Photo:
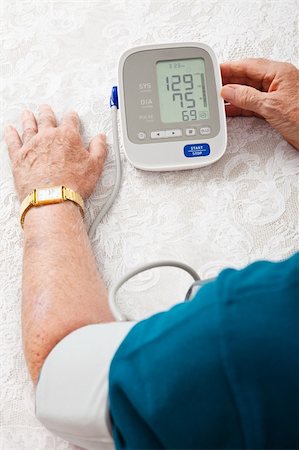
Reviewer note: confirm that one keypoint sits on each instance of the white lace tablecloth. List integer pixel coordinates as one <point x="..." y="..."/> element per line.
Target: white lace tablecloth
<point x="243" y="208"/>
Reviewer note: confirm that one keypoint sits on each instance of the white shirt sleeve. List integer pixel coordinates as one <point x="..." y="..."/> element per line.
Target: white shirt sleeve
<point x="72" y="390"/>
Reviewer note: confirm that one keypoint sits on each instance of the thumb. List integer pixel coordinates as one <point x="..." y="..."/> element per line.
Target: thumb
<point x="244" y="97"/>
<point x="98" y="147"/>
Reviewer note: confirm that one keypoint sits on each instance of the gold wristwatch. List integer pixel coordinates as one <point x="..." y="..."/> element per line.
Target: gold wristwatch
<point x="48" y="196"/>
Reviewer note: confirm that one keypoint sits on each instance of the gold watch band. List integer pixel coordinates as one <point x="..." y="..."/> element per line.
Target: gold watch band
<point x="50" y="196"/>
<point x="69" y="194"/>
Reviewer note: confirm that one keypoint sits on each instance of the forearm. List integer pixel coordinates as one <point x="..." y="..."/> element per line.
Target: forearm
<point x="62" y="289"/>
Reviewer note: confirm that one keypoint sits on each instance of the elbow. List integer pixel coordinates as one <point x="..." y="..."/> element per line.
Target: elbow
<point x="34" y="371"/>
<point x="36" y="351"/>
<point x="34" y="364"/>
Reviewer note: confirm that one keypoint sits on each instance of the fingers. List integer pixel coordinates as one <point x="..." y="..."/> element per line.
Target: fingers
<point x="257" y="84"/>
<point x="244" y="98"/>
<point x="46" y="117"/>
<point x="72" y="120"/>
<point x="234" y="111"/>
<point x="98" y="148"/>
<point x="252" y="72"/>
<point x="29" y="126"/>
<point x="13" y="141"/>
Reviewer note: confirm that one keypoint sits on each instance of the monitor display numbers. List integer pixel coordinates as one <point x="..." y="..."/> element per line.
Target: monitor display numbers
<point x="182" y="90"/>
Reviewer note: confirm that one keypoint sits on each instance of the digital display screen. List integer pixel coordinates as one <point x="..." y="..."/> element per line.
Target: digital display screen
<point x="182" y="90"/>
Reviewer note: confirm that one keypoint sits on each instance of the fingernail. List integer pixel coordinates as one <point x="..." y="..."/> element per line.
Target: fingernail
<point x="103" y="137"/>
<point x="7" y="128"/>
<point x="26" y="113"/>
<point x="228" y="93"/>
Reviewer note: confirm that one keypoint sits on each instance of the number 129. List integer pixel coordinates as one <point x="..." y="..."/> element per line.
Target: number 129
<point x="175" y="80"/>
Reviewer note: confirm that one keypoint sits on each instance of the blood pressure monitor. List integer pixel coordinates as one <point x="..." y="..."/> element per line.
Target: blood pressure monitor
<point x="172" y="118"/>
<point x="172" y="114"/>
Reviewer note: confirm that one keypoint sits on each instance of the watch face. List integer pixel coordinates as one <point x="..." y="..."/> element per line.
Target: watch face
<point x="49" y="195"/>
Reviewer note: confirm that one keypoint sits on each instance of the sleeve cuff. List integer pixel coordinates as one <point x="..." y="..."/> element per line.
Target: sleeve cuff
<point x="72" y="390"/>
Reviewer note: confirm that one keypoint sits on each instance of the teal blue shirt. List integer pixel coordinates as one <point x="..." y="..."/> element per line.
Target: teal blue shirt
<point x="219" y="372"/>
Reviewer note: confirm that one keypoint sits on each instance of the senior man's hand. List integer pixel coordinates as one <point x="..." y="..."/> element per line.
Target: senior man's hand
<point x="49" y="155"/>
<point x="266" y="89"/>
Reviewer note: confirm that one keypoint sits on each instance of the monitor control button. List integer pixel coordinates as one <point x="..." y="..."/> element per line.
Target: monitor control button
<point x="190" y="131"/>
<point x="141" y="135"/>
<point x="158" y="134"/>
<point x="205" y="130"/>
<point x="173" y="133"/>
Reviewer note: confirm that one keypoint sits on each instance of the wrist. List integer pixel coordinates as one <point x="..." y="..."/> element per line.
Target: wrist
<point x="63" y="215"/>
<point x="49" y="196"/>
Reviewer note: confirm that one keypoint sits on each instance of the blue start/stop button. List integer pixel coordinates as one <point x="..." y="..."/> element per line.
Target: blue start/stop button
<point x="193" y="150"/>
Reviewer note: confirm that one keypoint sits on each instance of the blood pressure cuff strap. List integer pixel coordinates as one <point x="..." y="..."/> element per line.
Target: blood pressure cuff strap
<point x="72" y="391"/>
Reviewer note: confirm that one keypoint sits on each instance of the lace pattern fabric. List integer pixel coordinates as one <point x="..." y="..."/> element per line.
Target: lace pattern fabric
<point x="243" y="208"/>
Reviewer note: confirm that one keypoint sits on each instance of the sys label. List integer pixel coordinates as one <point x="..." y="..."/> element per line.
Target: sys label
<point x="193" y="150"/>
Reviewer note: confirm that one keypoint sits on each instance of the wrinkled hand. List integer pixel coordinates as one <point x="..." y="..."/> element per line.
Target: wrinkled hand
<point x="51" y="155"/>
<point x="266" y="89"/>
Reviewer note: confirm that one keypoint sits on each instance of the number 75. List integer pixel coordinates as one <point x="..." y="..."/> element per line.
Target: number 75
<point x="190" y="101"/>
